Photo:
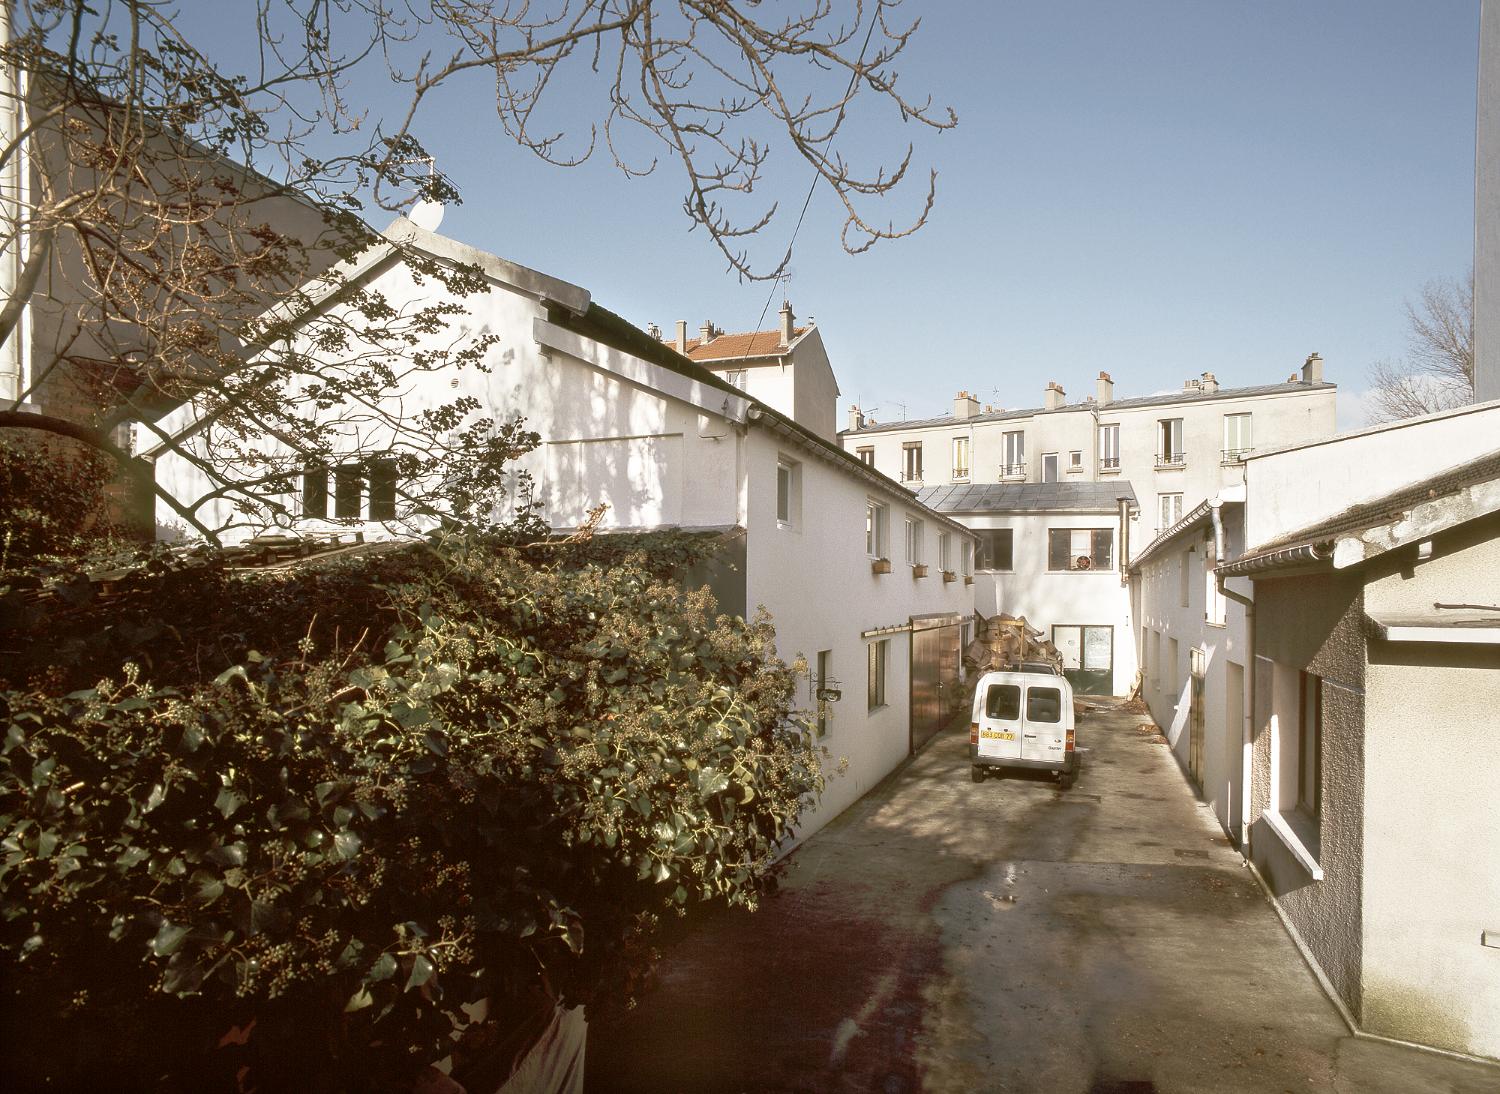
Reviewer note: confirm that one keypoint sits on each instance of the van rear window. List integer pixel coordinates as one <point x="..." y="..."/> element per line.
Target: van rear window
<point x="1003" y="701"/>
<point x="1043" y="705"/>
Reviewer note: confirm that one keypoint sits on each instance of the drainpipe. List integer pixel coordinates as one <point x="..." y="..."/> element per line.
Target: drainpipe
<point x="1124" y="542"/>
<point x="1246" y="741"/>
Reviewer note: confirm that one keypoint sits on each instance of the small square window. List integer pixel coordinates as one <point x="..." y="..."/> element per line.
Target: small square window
<point x="878" y="652"/>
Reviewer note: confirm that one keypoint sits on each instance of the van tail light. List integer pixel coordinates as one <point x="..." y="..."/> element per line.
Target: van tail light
<point x="974" y="734"/>
<point x="1069" y="746"/>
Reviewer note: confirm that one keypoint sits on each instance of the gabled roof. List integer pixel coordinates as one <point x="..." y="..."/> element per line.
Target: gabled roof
<point x="1364" y="531"/>
<point x="1103" y="409"/>
<point x="1028" y="497"/>
<point x="728" y="347"/>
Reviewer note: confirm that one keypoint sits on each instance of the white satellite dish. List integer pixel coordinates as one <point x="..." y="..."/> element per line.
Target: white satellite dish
<point x="426" y="215"/>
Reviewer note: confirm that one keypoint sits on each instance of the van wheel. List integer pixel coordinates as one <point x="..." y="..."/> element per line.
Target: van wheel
<point x="976" y="772"/>
<point x="1065" y="782"/>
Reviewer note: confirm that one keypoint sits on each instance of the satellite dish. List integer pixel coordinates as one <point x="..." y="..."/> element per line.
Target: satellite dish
<point x="426" y="215"/>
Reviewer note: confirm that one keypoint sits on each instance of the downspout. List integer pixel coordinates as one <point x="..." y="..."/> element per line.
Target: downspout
<point x="1124" y="542"/>
<point x="1246" y="739"/>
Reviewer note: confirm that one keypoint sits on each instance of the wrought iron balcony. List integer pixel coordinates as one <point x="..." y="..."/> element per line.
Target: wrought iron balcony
<point x="1171" y="459"/>
<point x="1236" y="455"/>
<point x="1013" y="470"/>
<point x="1109" y="463"/>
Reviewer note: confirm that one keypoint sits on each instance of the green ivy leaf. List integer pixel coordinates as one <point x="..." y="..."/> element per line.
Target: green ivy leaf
<point x="422" y="971"/>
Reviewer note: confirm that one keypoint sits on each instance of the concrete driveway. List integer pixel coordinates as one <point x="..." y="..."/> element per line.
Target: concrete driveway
<point x="947" y="936"/>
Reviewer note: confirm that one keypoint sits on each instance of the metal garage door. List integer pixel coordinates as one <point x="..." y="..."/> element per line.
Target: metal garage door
<point x="935" y="690"/>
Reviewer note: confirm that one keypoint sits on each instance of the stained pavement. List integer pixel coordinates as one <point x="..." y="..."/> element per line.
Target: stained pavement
<point x="943" y="935"/>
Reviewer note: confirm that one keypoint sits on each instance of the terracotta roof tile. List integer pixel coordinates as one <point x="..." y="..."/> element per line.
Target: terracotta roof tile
<point x="761" y="343"/>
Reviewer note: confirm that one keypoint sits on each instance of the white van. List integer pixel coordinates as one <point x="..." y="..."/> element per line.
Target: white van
<point x="1023" y="719"/>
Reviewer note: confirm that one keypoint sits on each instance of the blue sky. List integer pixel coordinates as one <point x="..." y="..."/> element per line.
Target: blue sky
<point x="1154" y="188"/>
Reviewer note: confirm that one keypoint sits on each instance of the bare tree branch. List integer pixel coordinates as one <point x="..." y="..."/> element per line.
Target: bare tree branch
<point x="1438" y="372"/>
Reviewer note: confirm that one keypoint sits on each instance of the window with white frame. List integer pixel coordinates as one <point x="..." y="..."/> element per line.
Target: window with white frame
<point x="875" y="673"/>
<point x="966" y="553"/>
<point x="1014" y="449"/>
<point x="911" y="461"/>
<point x="1184" y="576"/>
<point x="1080" y="548"/>
<point x="913" y="541"/>
<point x="788" y="492"/>
<point x="736" y="377"/>
<point x="1109" y="447"/>
<point x="945" y="551"/>
<point x="1168" y="510"/>
<point x="866" y="455"/>
<point x="960" y="458"/>
<point x="1237" y="443"/>
<point x="1049" y="466"/>
<point x="1169" y="451"/>
<point x="1297" y="755"/>
<point x="1075" y="460"/>
<point x="1215" y="604"/>
<point x="877" y="529"/>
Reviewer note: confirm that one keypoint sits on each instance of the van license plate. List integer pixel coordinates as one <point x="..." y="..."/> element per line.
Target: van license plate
<point x="996" y="735"/>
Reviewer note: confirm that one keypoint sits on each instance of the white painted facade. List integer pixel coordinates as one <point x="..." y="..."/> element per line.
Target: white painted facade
<point x="671" y="447"/>
<point x="1208" y="447"/>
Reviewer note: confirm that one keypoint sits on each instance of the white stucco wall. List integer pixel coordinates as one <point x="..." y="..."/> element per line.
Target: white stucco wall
<point x="1292" y="415"/>
<point x="1052" y="598"/>
<point x="1297" y="487"/>
<point x="1432" y="832"/>
<point x="814" y="577"/>
<point x="1159" y="609"/>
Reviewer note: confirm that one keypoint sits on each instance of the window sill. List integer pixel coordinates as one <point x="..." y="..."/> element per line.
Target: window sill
<point x="1284" y="832"/>
<point x="1109" y="470"/>
<point x="1075" y="470"/>
<point x="995" y="573"/>
<point x="1090" y="570"/>
<point x="961" y="478"/>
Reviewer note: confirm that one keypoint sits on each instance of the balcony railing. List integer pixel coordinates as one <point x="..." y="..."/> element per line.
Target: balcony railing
<point x="1236" y="455"/>
<point x="960" y="474"/>
<point x="1109" y="463"/>
<point x="1013" y="470"/>
<point x="1171" y="459"/>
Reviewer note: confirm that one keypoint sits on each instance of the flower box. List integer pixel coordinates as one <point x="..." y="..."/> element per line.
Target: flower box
<point x="880" y="566"/>
<point x="968" y="579"/>
<point x="949" y="575"/>
<point x="919" y="569"/>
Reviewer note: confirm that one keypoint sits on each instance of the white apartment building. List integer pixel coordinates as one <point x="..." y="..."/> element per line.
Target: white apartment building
<point x="864" y="584"/>
<point x="1175" y="450"/>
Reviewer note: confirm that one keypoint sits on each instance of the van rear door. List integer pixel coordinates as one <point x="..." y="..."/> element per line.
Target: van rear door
<point x="1044" y="725"/>
<point x="1000" y="720"/>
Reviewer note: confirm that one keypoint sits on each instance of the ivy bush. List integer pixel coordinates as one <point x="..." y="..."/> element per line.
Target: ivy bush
<point x="274" y="831"/>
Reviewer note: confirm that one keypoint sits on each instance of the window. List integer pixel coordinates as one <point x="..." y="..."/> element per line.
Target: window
<point x="1109" y="447"/>
<point x="1080" y="548"/>
<point x="876" y="673"/>
<point x="1184" y="575"/>
<point x="1015" y="455"/>
<point x="1237" y="442"/>
<point x="736" y="378"/>
<point x="788" y="492"/>
<point x="866" y="456"/>
<point x="1049" y="466"/>
<point x="821" y="677"/>
<point x="348" y="485"/>
<point x="911" y="461"/>
<point x="945" y="552"/>
<point x="967" y="553"/>
<point x="1075" y="460"/>
<point x="383" y="490"/>
<point x="1168" y="510"/>
<point x="315" y="493"/>
<point x="1215" y="604"/>
<point x="1169" y="444"/>
<point x="1003" y="701"/>
<point x="1310" y="750"/>
<point x="1170" y="666"/>
<point x="996" y="549"/>
<point x="960" y="457"/>
<point x="1044" y="704"/>
<point x="913" y="541"/>
<point x="877" y="529"/>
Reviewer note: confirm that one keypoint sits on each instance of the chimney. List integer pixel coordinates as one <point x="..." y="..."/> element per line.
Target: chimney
<point x="1209" y="383"/>
<point x="786" y="322"/>
<point x="654" y="331"/>
<point x="706" y="331"/>
<point x="1312" y="369"/>
<point x="1053" y="397"/>
<point x="965" y="406"/>
<point x="856" y="419"/>
<point x="681" y="344"/>
<point x="1106" y="390"/>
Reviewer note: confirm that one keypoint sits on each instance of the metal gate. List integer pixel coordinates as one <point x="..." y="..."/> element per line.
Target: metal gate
<point x="936" y="656"/>
<point x="1088" y="657"/>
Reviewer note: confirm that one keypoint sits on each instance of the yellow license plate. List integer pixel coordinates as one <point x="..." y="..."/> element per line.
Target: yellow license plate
<point x="996" y="735"/>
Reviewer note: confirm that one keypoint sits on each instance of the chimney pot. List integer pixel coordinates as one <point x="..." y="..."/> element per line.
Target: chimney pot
<point x="965" y="406"/>
<point x="1209" y="383"/>
<point x="1105" y="391"/>
<point x="787" y="319"/>
<point x="707" y="331"/>
<point x="1054" y="395"/>
<point x="1312" y="369"/>
<point x="856" y="418"/>
<point x="682" y="336"/>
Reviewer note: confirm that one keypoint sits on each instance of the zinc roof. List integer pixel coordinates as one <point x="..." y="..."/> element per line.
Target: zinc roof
<point x="1027" y="497"/>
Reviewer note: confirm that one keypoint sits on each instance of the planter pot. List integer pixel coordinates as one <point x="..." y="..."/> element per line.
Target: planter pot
<point x="969" y="579"/>
<point x="949" y="575"/>
<point x="919" y="570"/>
<point x="880" y="566"/>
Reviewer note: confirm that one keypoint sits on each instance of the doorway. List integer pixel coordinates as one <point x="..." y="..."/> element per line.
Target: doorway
<point x="936" y="657"/>
<point x="1088" y="657"/>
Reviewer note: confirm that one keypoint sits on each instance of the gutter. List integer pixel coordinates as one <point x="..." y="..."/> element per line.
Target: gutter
<point x="1303" y="554"/>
